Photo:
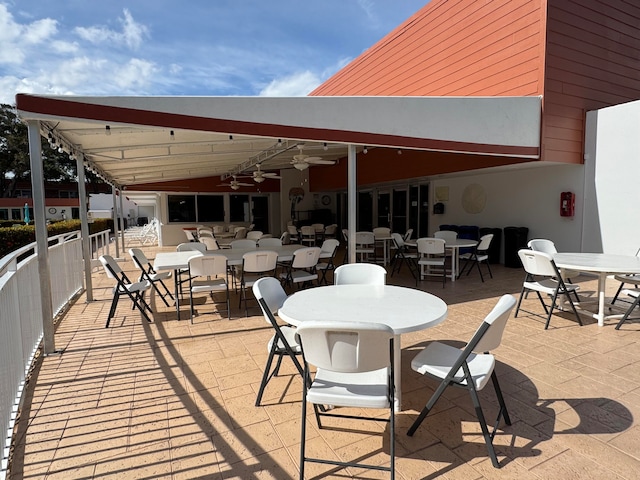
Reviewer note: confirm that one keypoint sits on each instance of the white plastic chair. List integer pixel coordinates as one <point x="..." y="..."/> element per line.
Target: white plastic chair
<point x="270" y="295"/>
<point x="365" y="245"/>
<point x="185" y="247"/>
<point x="243" y="244"/>
<point x="547" y="246"/>
<point x="149" y="274"/>
<point x="480" y="254"/>
<point x="208" y="273"/>
<point x="446" y="235"/>
<point x="124" y="286"/>
<point x="210" y="242"/>
<point x="432" y="254"/>
<point x="302" y="270"/>
<point x="544" y="277"/>
<point x="360" y="274"/>
<point x="308" y="235"/>
<point x="635" y="296"/>
<point x="354" y="368"/>
<point x="403" y="255"/>
<point x="327" y="252"/>
<point x="632" y="278"/>
<point x="269" y="242"/>
<point x="469" y="368"/>
<point x="255" y="265"/>
<point x="254" y="235"/>
<point x="294" y="235"/>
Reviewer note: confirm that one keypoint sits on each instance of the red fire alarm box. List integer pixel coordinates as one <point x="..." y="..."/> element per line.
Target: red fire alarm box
<point x="567" y="204"/>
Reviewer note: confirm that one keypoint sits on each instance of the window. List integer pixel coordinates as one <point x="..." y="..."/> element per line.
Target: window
<point x="239" y="208"/>
<point x="182" y="208"/>
<point x="16" y="214"/>
<point x="210" y="208"/>
<point x="4" y="214"/>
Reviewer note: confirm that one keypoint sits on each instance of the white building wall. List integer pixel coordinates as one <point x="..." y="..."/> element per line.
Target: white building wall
<point x="526" y="196"/>
<point x="612" y="192"/>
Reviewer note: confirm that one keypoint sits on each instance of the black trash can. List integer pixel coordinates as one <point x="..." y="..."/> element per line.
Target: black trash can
<point x="468" y="232"/>
<point x="496" y="243"/>
<point x="515" y="238"/>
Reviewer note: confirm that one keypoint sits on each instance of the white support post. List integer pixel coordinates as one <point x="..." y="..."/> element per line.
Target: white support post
<point x="42" y="245"/>
<point x="115" y="221"/>
<point x="122" y="227"/>
<point x="351" y="202"/>
<point x="84" y="227"/>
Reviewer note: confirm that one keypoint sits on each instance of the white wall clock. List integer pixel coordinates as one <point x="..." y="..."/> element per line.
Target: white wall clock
<point x="474" y="198"/>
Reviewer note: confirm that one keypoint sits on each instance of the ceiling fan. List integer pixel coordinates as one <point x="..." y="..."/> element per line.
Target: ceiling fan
<point x="302" y="161"/>
<point x="260" y="176"/>
<point x="235" y="184"/>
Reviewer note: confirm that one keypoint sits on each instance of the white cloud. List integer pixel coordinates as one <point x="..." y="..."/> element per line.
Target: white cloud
<point x="16" y="38"/>
<point x="295" y="85"/>
<point x="132" y="34"/>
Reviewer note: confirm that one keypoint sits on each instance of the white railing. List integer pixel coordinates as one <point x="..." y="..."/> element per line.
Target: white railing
<point x="21" y="315"/>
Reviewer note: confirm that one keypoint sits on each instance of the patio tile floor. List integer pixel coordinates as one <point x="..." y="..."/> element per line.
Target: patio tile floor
<point x="172" y="400"/>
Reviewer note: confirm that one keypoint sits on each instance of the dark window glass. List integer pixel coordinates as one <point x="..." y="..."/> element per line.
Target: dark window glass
<point x="210" y="208"/>
<point x="239" y="208"/>
<point x="4" y="214"/>
<point x="182" y="208"/>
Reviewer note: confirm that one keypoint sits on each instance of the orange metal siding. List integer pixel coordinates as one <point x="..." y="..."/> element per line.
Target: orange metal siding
<point x="592" y="61"/>
<point x="452" y="48"/>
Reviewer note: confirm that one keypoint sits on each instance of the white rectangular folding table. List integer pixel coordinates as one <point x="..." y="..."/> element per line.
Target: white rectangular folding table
<point x="403" y="309"/>
<point x="603" y="264"/>
<point x="180" y="260"/>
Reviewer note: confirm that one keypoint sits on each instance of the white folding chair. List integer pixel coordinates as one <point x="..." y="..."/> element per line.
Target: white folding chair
<point x="469" y="368"/>
<point x="294" y="235"/>
<point x="547" y="246"/>
<point x="308" y="235"/>
<point x="254" y="235"/>
<point x="543" y="276"/>
<point x="210" y="242"/>
<point x="255" y="265"/>
<point x="185" y="247"/>
<point x="631" y="278"/>
<point x="208" y="273"/>
<point x="302" y="269"/>
<point x="360" y="274"/>
<point x="270" y="295"/>
<point x="124" y="286"/>
<point x="269" y="242"/>
<point x="243" y="244"/>
<point x="327" y="252"/>
<point x="149" y="274"/>
<point x="480" y="254"/>
<point x="446" y="235"/>
<point x="354" y="368"/>
<point x="635" y="299"/>
<point x="431" y="253"/>
<point x="365" y="246"/>
<point x="403" y="255"/>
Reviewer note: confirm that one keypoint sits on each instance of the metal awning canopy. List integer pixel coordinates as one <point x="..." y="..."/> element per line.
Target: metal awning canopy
<point x="137" y="140"/>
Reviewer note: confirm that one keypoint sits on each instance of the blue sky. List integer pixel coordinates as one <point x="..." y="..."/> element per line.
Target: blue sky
<point x="193" y="47"/>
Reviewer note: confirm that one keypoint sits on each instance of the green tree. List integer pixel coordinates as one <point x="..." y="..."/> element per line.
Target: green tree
<point x="14" y="156"/>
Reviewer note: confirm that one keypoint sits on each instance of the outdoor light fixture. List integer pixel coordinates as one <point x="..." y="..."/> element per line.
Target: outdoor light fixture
<point x="172" y="135"/>
<point x="231" y="138"/>
<point x="325" y="146"/>
<point x="107" y="130"/>
<point x="365" y="150"/>
<point x="279" y="142"/>
<point x="399" y="152"/>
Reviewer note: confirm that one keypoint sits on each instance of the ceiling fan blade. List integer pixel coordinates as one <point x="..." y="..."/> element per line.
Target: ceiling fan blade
<point x="319" y="161"/>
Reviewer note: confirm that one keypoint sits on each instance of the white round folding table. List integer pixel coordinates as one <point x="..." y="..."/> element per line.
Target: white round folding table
<point x="603" y="264"/>
<point x="403" y="309"/>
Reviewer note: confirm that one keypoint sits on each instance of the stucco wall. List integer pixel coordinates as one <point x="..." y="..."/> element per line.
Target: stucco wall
<point x="522" y="197"/>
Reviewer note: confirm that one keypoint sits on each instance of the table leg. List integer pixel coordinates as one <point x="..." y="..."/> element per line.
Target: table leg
<point x="602" y="278"/>
<point x="176" y="290"/>
<point x="397" y="349"/>
<point x="454" y="264"/>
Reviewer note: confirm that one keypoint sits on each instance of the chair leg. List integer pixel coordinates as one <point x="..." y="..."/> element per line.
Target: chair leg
<point x="266" y="376"/>
<point x="615" y="297"/>
<point x="503" y="407"/>
<point x="112" y="310"/>
<point x="488" y="438"/>
<point x="427" y="408"/>
<point x="628" y="312"/>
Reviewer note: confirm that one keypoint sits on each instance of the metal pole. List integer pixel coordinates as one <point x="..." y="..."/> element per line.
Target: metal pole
<point x="42" y="246"/>
<point x="122" y="229"/>
<point x="351" y="201"/>
<point x="115" y="221"/>
<point x="84" y="227"/>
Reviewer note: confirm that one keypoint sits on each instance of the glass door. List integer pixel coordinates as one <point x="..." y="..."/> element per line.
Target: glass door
<point x="384" y="209"/>
<point x="399" y="211"/>
<point x="260" y="213"/>
<point x="365" y="212"/>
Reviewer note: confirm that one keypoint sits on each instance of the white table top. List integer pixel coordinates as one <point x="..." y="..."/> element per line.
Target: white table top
<point x="180" y="260"/>
<point x="403" y="309"/>
<point x="598" y="262"/>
